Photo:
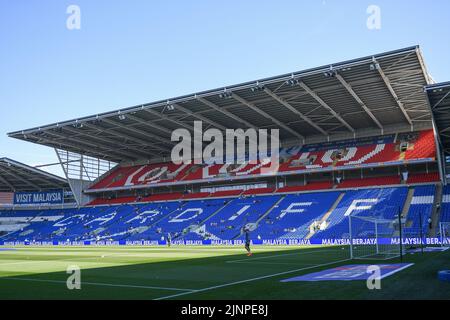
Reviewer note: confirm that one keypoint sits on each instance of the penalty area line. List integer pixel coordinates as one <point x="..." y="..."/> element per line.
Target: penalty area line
<point x="249" y="280"/>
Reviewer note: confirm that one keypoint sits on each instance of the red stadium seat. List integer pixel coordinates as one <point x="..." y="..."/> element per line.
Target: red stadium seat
<point x="379" y="181"/>
<point x="259" y="191"/>
<point x="120" y="200"/>
<point x="163" y="197"/>
<point x="423" y="177"/>
<point x="378" y="151"/>
<point x="226" y="193"/>
<point x="326" y="185"/>
<point x="424" y="147"/>
<point x="198" y="195"/>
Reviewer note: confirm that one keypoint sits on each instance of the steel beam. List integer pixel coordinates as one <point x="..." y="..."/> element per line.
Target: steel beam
<point x="16" y="176"/>
<point x="350" y="90"/>
<point x="107" y="140"/>
<point x="199" y="116"/>
<point x="388" y="84"/>
<point x="141" y="132"/>
<point x="266" y="115"/>
<point x="82" y="148"/>
<point x="293" y="110"/>
<point x="225" y="112"/>
<point x="3" y="179"/>
<point x="316" y="97"/>
<point x="167" y="118"/>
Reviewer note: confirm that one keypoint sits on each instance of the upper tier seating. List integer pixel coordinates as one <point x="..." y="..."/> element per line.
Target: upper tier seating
<point x="328" y="156"/>
<point x="423" y="147"/>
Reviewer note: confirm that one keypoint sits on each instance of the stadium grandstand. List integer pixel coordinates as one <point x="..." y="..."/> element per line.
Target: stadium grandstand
<point x="16" y="177"/>
<point x="439" y="98"/>
<point x="360" y="131"/>
<point x="25" y="187"/>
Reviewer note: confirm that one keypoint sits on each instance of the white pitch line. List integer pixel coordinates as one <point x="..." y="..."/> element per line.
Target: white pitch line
<point x="397" y="270"/>
<point x="101" y="284"/>
<point x="272" y="263"/>
<point x="277" y="255"/>
<point x="249" y="280"/>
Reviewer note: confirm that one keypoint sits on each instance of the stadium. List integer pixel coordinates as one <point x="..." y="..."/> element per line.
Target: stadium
<point x="361" y="178"/>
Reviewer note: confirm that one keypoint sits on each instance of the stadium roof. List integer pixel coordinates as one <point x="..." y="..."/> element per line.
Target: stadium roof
<point x="439" y="96"/>
<point x="373" y="95"/>
<point x="16" y="177"/>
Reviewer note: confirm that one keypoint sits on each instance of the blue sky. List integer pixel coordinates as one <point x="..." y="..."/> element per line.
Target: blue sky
<point x="132" y="52"/>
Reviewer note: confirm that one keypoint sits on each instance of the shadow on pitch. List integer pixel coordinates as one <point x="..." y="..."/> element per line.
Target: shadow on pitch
<point x="151" y="280"/>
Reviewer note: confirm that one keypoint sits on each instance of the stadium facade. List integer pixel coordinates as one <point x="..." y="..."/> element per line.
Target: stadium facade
<point x="366" y="137"/>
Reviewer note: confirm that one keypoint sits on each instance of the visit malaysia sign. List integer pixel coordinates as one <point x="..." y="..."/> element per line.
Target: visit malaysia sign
<point x="46" y="197"/>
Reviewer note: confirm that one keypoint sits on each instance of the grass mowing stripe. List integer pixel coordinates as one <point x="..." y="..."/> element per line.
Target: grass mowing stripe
<point x="278" y="255"/>
<point x="206" y="269"/>
<point x="75" y="259"/>
<point x="101" y="284"/>
<point x="250" y="280"/>
<point x="269" y="263"/>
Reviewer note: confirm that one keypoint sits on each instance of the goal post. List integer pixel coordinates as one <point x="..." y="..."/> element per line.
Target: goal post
<point x="444" y="233"/>
<point x="375" y="238"/>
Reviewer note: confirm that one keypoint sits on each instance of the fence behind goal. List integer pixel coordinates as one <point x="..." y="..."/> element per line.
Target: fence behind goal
<point x="375" y="238"/>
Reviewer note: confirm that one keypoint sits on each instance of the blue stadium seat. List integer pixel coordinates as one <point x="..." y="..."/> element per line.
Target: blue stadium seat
<point x="384" y="203"/>
<point x="273" y="216"/>
<point x="294" y="214"/>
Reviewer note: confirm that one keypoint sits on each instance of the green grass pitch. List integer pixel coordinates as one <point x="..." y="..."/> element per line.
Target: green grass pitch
<point x="208" y="272"/>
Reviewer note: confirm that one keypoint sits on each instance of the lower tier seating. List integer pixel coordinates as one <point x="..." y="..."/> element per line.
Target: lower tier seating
<point x="314" y="215"/>
<point x="445" y="208"/>
<point x="420" y="211"/>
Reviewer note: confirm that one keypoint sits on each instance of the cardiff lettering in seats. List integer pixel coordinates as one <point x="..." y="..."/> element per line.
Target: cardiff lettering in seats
<point x="293" y="208"/>
<point x="68" y="221"/>
<point x="194" y="212"/>
<point x="237" y="214"/>
<point x="144" y="216"/>
<point x="355" y="205"/>
<point x="103" y="219"/>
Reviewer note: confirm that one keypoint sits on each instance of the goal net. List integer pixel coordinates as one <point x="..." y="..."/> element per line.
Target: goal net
<point x="444" y="233"/>
<point x="375" y="238"/>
